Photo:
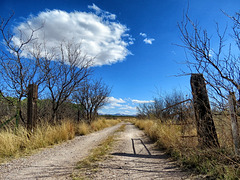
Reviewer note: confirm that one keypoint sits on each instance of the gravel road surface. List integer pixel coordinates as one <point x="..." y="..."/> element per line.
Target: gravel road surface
<point x="135" y="157"/>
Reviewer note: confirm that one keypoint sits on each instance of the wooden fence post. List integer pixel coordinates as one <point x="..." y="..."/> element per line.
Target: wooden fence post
<point x="32" y="106"/>
<point x="234" y="122"/>
<point x="207" y="136"/>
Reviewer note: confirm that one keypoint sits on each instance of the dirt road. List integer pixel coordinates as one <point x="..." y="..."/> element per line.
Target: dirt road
<point x="54" y="163"/>
<point x="133" y="157"/>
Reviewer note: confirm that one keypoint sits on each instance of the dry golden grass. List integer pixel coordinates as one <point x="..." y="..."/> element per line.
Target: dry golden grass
<point x="180" y="141"/>
<point x="174" y="135"/>
<point x="10" y="143"/>
<point x="169" y="135"/>
<point x="83" y="128"/>
<point x="224" y="130"/>
<point x="103" y="123"/>
<point x="18" y="143"/>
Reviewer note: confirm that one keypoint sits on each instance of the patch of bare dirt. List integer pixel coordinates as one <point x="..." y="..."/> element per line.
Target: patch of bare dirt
<point x="54" y="163"/>
<point x="135" y="157"/>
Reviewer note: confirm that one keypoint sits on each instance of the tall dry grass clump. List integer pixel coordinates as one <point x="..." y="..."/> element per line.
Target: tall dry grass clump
<point x="168" y="135"/>
<point x="150" y="128"/>
<point x="18" y="142"/>
<point x="46" y="134"/>
<point x="15" y="143"/>
<point x="10" y="143"/>
<point x="83" y="128"/>
<point x="102" y="123"/>
<point x="224" y="130"/>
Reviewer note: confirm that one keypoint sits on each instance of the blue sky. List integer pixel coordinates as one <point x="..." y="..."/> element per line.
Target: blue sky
<point x="134" y="40"/>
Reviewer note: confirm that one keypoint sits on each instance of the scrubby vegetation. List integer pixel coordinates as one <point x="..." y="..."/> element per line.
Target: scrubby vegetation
<point x="180" y="141"/>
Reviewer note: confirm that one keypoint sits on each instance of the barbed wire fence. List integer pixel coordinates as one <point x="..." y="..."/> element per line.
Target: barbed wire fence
<point x="202" y="126"/>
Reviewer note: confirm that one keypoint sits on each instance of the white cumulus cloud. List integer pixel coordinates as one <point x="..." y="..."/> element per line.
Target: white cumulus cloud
<point x="98" y="33"/>
<point x="143" y="34"/>
<point x="148" y="41"/>
<point x="119" y="105"/>
<point x="114" y="102"/>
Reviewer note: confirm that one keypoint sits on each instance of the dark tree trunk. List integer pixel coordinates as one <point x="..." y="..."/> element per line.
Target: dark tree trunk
<point x="32" y="106"/>
<point x="54" y="116"/>
<point x="207" y="136"/>
<point x="234" y="122"/>
<point x="78" y="115"/>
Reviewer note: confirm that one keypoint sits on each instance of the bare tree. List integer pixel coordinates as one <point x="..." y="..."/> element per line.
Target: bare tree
<point x="165" y="107"/>
<point x="26" y="60"/>
<point x="65" y="72"/>
<point x="221" y="68"/>
<point x="91" y="97"/>
<point x="219" y="64"/>
<point x="146" y="110"/>
<point x="17" y="67"/>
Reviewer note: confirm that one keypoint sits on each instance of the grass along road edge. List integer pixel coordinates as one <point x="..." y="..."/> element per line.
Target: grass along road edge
<point x="15" y="144"/>
<point x="89" y="165"/>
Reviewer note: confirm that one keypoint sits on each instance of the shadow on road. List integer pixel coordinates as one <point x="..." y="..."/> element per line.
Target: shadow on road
<point x="133" y="146"/>
<point x="140" y="155"/>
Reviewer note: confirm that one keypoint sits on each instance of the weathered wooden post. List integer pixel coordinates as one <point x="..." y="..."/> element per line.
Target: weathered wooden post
<point x="234" y="122"/>
<point x="32" y="106"/>
<point x="207" y="136"/>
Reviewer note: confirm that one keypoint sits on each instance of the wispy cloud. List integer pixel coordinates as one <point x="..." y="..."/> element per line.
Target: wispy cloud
<point x="101" y="12"/>
<point x="96" y="8"/>
<point x="127" y="107"/>
<point x="146" y="40"/>
<point x="141" y="101"/>
<point x="99" y="34"/>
